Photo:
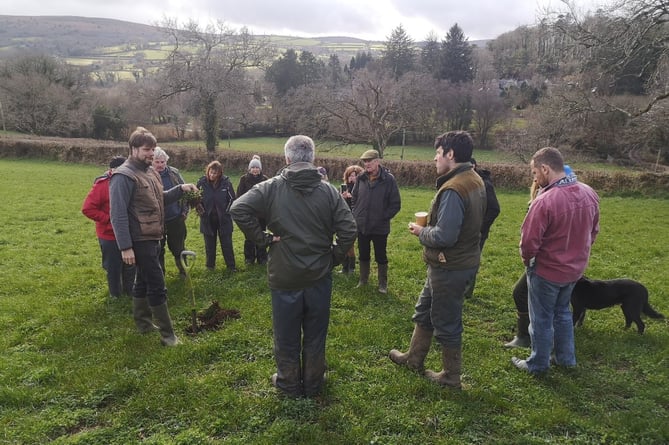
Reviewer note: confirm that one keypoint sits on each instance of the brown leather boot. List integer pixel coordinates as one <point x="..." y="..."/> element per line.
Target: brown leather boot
<point x="414" y="358"/>
<point x="451" y="359"/>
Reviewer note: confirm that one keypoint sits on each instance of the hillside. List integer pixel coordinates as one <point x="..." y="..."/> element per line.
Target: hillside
<point x="66" y="36"/>
<point x="85" y="37"/>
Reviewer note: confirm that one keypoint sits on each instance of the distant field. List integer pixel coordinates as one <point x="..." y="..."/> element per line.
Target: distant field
<point x="395" y="153"/>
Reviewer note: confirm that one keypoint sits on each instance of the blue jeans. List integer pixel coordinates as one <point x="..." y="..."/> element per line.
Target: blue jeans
<point x="551" y="324"/>
<point x="300" y="320"/>
<point x="439" y="306"/>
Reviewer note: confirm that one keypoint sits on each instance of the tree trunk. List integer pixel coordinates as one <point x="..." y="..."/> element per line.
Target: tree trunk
<point x="210" y="124"/>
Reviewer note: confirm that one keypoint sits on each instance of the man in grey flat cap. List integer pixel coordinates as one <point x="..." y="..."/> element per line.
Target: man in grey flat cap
<point x="375" y="201"/>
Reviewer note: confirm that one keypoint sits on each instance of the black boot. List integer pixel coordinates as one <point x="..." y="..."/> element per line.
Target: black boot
<point x="522" y="338"/>
<point x="345" y="269"/>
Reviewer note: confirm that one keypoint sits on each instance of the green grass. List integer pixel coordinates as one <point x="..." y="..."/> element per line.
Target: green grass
<point x="393" y="152"/>
<point x="74" y="371"/>
<point x="334" y="149"/>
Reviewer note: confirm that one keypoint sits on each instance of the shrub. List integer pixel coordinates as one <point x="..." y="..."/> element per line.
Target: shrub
<point x="407" y="173"/>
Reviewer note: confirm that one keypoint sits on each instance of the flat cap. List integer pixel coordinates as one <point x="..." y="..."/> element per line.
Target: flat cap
<point x="369" y="155"/>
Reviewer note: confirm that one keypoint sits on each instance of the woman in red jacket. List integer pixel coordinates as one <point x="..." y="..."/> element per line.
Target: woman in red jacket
<point x="120" y="276"/>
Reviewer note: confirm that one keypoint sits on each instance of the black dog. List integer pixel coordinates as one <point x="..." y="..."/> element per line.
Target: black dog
<point x="599" y="294"/>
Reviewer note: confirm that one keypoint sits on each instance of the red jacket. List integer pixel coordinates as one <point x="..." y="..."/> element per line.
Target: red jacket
<point x="96" y="207"/>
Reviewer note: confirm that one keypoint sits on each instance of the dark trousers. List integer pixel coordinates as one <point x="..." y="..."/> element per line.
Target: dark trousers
<point x="175" y="238"/>
<point x="120" y="276"/>
<point x="150" y="281"/>
<point x="439" y="306"/>
<point x="224" y="233"/>
<point x="300" y="321"/>
<point x="520" y="294"/>
<point x="254" y="252"/>
<point x="380" y="244"/>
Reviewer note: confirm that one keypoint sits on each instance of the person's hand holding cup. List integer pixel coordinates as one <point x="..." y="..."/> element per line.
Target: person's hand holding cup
<point x="421" y="222"/>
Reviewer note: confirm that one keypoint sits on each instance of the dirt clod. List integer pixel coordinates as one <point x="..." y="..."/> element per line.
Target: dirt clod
<point x="212" y="318"/>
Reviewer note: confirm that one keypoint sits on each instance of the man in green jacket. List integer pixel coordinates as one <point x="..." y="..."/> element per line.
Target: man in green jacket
<point x="303" y="214"/>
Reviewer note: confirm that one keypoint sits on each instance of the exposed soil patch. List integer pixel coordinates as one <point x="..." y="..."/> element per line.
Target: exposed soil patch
<point x="212" y="318"/>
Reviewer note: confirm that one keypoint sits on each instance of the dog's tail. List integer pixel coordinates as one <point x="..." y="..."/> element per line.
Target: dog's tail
<point x="652" y="313"/>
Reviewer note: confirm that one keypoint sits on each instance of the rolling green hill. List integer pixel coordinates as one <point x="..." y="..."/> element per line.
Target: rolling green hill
<point x="88" y="41"/>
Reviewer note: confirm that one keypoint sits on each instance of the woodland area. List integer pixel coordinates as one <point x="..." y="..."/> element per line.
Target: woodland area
<point x="595" y="83"/>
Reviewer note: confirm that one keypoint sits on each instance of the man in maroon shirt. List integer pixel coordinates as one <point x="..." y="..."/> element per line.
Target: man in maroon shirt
<point x="556" y="236"/>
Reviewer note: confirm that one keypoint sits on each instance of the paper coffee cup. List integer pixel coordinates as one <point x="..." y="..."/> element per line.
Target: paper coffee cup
<point x="421" y="218"/>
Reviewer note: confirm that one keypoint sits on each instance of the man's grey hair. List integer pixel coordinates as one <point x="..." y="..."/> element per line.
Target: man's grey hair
<point x="299" y="148"/>
<point x="159" y="153"/>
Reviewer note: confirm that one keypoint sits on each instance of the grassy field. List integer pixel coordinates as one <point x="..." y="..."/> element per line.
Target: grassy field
<point x="73" y="370"/>
<point x="393" y="152"/>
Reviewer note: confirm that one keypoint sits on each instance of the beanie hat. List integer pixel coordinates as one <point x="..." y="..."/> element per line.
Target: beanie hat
<point x="255" y="162"/>
<point x="116" y="161"/>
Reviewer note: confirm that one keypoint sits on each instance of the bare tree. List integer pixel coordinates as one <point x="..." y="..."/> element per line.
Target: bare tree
<point x="44" y="96"/>
<point x="489" y="109"/>
<point x="622" y="50"/>
<point x="211" y="64"/>
<point x="375" y="107"/>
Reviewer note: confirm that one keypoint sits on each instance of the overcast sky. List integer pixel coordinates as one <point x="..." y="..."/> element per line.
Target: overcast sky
<point x="366" y="19"/>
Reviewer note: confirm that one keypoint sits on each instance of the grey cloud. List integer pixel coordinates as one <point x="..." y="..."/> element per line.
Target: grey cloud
<point x="319" y="17"/>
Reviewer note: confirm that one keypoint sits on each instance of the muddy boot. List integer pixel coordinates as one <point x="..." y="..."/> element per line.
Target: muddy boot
<point x="364" y="273"/>
<point x="451" y="359"/>
<point x="414" y="358"/>
<point x="522" y="338"/>
<point x="383" y="278"/>
<point x="162" y="316"/>
<point x="141" y="312"/>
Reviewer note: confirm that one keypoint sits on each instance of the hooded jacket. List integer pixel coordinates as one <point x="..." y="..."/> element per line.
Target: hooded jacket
<point x="306" y="213"/>
<point x="96" y="207"/>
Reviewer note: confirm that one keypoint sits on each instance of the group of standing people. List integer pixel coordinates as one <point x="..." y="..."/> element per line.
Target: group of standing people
<point x="556" y="237"/>
<point x="309" y="227"/>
